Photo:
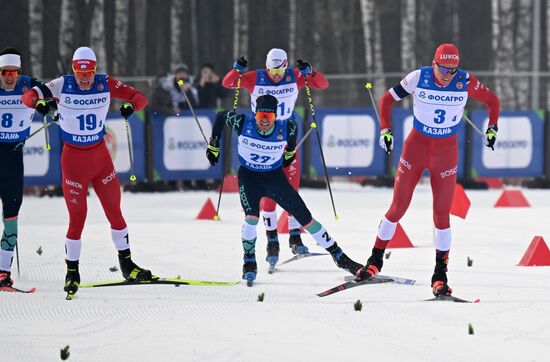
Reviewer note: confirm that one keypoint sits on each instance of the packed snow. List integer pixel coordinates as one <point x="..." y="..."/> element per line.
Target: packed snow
<point x="167" y="323"/>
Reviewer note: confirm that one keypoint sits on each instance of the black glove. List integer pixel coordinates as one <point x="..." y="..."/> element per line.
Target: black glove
<point x="240" y="64"/>
<point x="213" y="151"/>
<point x="491" y="137"/>
<point x="386" y="140"/>
<point x="126" y="110"/>
<point x="42" y="107"/>
<point x="304" y="67"/>
<point x="289" y="157"/>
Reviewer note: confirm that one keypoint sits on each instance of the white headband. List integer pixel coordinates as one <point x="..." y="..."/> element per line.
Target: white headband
<point x="13" y="60"/>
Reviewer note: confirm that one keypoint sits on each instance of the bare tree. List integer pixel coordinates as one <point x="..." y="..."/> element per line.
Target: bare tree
<point x="176" y="16"/>
<point x="97" y="35"/>
<point x="36" y="38"/>
<point x="292" y="28"/>
<point x="121" y="36"/>
<point x="66" y="34"/>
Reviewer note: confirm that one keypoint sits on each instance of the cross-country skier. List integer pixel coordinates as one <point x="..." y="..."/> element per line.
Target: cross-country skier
<point x="15" y="125"/>
<point x="83" y="101"/>
<point x="265" y="147"/>
<point x="440" y="93"/>
<point x="284" y="83"/>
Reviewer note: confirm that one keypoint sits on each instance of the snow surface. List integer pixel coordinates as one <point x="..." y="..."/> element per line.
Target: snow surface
<point x="164" y="323"/>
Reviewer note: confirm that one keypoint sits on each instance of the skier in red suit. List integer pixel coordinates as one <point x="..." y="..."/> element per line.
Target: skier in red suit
<point x="440" y="93"/>
<point x="83" y="102"/>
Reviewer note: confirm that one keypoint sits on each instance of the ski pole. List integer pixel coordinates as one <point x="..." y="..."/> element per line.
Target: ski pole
<point x="235" y="102"/>
<point x="314" y="125"/>
<point x="180" y="83"/>
<point x="45" y="126"/>
<point x="130" y="153"/>
<point x="369" y="87"/>
<point x="17" y="258"/>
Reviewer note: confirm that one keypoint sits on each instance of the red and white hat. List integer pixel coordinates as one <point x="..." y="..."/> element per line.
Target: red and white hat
<point x="84" y="59"/>
<point x="447" y="53"/>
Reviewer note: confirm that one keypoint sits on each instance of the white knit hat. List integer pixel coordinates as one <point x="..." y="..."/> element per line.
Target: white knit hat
<point x="84" y="59"/>
<point x="276" y="58"/>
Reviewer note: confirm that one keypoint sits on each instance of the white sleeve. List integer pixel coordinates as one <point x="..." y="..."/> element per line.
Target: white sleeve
<point x="407" y="86"/>
<point x="410" y="82"/>
<point x="54" y="86"/>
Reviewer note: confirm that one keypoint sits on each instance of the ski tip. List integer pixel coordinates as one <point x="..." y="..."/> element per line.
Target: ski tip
<point x="477" y="301"/>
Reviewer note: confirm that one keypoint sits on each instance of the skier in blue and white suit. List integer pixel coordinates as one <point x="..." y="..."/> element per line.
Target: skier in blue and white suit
<point x="15" y="125"/>
<point x="266" y="144"/>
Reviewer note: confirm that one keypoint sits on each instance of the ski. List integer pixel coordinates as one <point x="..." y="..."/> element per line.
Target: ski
<point x="17" y="290"/>
<point x="353" y="284"/>
<point x="302" y="256"/>
<point x="172" y="281"/>
<point x="394" y="279"/>
<point x="450" y="298"/>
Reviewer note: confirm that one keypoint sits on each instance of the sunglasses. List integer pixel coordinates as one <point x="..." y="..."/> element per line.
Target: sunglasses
<point x="445" y="70"/>
<point x="269" y="115"/>
<point x="7" y="73"/>
<point x="80" y="73"/>
<point x="277" y="71"/>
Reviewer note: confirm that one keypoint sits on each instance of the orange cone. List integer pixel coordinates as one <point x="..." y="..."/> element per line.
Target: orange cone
<point x="512" y="198"/>
<point x="208" y="211"/>
<point x="282" y="223"/>
<point x="400" y="239"/>
<point x="537" y="253"/>
<point x="461" y="202"/>
<point x="230" y="183"/>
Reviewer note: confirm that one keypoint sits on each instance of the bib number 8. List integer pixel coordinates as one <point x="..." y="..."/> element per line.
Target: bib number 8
<point x="7" y="120"/>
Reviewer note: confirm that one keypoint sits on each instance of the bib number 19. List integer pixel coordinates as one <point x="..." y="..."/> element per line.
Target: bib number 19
<point x="87" y="122"/>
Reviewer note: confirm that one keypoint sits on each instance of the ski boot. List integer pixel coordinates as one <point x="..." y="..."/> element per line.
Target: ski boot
<point x="439" y="279"/>
<point x="72" y="279"/>
<point x="130" y="271"/>
<point x="250" y="268"/>
<point x="272" y="250"/>
<point x="295" y="242"/>
<point x="5" y="279"/>
<point x="373" y="267"/>
<point x="342" y="260"/>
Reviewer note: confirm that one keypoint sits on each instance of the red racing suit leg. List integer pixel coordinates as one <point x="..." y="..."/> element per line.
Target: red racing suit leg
<point x="107" y="187"/>
<point x="76" y="172"/>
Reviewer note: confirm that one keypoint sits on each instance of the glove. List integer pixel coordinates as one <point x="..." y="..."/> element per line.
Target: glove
<point x="126" y="110"/>
<point x="213" y="152"/>
<point x="240" y="64"/>
<point x="491" y="136"/>
<point x="386" y="140"/>
<point x="304" y="67"/>
<point x="42" y="107"/>
<point x="289" y="157"/>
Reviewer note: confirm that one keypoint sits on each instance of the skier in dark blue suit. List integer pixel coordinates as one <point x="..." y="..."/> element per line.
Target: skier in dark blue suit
<point x="266" y="146"/>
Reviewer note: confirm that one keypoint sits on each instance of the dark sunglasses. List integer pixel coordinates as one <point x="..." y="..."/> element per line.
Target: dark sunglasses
<point x="13" y="73"/>
<point x="445" y="70"/>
